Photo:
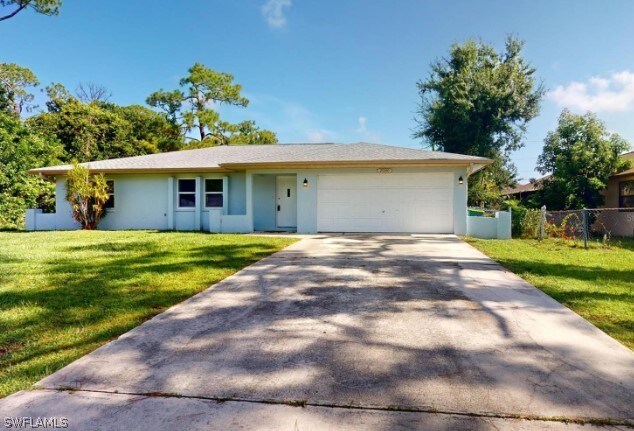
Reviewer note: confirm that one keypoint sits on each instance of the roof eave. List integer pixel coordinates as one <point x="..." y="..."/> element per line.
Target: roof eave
<point x="624" y="173"/>
<point x="52" y="172"/>
<point x="230" y="167"/>
<point x="356" y="164"/>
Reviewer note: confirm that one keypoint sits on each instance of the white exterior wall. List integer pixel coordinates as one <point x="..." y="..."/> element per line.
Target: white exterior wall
<point x="307" y="197"/>
<point x="140" y="202"/>
<point x="149" y="201"/>
<point x="38" y="220"/>
<point x="498" y="227"/>
<point x="307" y="201"/>
<point x="63" y="211"/>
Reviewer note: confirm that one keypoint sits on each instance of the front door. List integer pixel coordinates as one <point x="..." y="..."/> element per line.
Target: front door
<point x="286" y="202"/>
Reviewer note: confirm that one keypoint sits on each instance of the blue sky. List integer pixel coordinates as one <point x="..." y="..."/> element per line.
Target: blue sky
<point x="334" y="71"/>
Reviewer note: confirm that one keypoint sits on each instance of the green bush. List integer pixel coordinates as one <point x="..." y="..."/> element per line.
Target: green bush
<point x="20" y="150"/>
<point x="529" y="224"/>
<point x="87" y="194"/>
<point x="524" y="221"/>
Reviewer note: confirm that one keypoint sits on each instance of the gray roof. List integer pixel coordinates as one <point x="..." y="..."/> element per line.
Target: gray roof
<point x="234" y="157"/>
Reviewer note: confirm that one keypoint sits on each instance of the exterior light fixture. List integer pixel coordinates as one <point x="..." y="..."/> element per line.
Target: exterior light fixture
<point x="305" y="183"/>
<point x="460" y="180"/>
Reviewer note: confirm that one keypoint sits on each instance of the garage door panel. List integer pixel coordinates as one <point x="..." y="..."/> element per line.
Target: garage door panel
<point x="421" y="202"/>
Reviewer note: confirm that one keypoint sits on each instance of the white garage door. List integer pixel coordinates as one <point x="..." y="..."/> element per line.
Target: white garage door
<point x="394" y="202"/>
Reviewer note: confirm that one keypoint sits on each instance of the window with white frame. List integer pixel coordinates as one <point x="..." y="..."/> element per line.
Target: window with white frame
<point x="186" y="193"/>
<point x="110" y="202"/>
<point x="213" y="193"/>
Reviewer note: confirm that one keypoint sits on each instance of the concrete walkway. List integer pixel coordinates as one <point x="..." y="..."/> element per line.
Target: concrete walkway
<point x="366" y="332"/>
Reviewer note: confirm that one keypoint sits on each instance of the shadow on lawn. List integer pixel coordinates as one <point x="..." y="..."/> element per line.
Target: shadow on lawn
<point x="577" y="272"/>
<point x="622" y="242"/>
<point x="103" y="290"/>
<point x="357" y="326"/>
<point x="616" y="279"/>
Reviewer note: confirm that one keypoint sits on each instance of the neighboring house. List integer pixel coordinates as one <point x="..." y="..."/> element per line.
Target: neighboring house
<point x="523" y="192"/>
<point x="304" y="188"/>
<point x="618" y="194"/>
<point x="620" y="191"/>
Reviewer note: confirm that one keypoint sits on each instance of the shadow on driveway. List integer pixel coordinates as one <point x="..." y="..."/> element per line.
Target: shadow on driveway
<point x="421" y="323"/>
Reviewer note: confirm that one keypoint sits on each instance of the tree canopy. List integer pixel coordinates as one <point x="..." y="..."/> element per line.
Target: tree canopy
<point x="15" y="83"/>
<point x="193" y="108"/>
<point x="150" y="129"/>
<point x="87" y="126"/>
<point x="101" y="130"/>
<point x="10" y="8"/>
<point x="581" y="154"/>
<point x="22" y="149"/>
<point x="478" y="102"/>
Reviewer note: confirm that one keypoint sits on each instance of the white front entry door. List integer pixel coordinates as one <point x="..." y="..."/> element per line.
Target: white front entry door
<point x="286" y="202"/>
<point x="395" y="202"/>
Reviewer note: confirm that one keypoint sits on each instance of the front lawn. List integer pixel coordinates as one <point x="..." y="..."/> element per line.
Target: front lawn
<point x="597" y="283"/>
<point x="63" y="294"/>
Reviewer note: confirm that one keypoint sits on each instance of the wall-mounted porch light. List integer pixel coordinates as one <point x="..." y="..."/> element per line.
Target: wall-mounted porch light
<point x="305" y="183"/>
<point x="460" y="180"/>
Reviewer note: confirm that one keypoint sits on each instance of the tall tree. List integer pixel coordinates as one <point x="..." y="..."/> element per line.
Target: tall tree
<point x="99" y="130"/>
<point x="58" y="96"/>
<point x="485" y="186"/>
<point x="581" y="154"/>
<point x="86" y="131"/>
<point x="10" y="8"/>
<point x="192" y="109"/>
<point x="15" y="82"/>
<point x="150" y="128"/>
<point x="91" y="92"/>
<point x="478" y="102"/>
<point x="22" y="149"/>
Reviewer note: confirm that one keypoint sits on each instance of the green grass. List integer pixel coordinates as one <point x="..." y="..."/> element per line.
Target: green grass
<point x="63" y="294"/>
<point x="597" y="283"/>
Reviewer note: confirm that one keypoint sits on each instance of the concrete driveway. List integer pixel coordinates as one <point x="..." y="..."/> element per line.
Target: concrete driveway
<point x="365" y="332"/>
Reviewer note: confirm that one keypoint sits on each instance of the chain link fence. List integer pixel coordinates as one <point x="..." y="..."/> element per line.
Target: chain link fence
<point x="600" y="224"/>
<point x="584" y="225"/>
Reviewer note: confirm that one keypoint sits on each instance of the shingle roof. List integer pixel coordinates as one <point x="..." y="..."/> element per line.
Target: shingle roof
<point x="630" y="171"/>
<point x="228" y="157"/>
<point x="528" y="187"/>
<point x="626" y="173"/>
<point x="520" y="188"/>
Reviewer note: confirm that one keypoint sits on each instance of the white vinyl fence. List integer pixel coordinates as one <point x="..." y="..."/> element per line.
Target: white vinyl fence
<point x="489" y="224"/>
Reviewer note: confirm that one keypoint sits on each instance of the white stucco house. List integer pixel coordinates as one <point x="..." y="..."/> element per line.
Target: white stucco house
<point x="304" y="188"/>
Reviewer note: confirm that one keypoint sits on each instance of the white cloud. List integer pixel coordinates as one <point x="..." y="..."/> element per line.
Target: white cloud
<point x="367" y="135"/>
<point x="362" y="125"/>
<point x="612" y="94"/>
<point x="319" y="136"/>
<point x="273" y="12"/>
<point x="292" y="121"/>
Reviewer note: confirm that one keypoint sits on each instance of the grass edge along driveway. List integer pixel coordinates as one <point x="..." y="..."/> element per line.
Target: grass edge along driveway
<point x="597" y="283"/>
<point x="63" y="294"/>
